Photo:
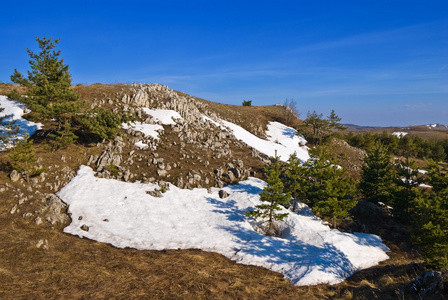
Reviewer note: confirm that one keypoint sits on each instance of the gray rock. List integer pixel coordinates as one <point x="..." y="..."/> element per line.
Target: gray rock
<point x="223" y="194"/>
<point x="85" y="227"/>
<point x="162" y="173"/>
<point x="156" y="193"/>
<point x="42" y="244"/>
<point x="428" y="283"/>
<point x="54" y="211"/>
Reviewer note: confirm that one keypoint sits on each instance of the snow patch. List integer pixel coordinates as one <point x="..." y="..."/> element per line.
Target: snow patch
<point x="399" y="134"/>
<point x="282" y="140"/>
<point x="151" y="130"/>
<point x="164" y="116"/>
<point x="17" y="110"/>
<point x="125" y="215"/>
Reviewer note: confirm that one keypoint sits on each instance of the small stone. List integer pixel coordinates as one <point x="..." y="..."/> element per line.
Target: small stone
<point x="85" y="227"/>
<point x="42" y="244"/>
<point x="15" y="176"/>
<point x="13" y="209"/>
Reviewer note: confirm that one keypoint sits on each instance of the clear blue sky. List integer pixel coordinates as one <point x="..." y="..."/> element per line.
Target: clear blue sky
<point x="375" y="62"/>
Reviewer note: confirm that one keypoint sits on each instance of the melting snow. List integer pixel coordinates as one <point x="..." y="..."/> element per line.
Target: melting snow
<point x="164" y="116"/>
<point x="151" y="130"/>
<point x="124" y="215"/>
<point x="17" y="110"/>
<point x="281" y="139"/>
<point x="399" y="134"/>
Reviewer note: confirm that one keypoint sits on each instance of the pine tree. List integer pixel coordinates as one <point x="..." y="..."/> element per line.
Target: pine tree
<point x="317" y="129"/>
<point x="377" y="177"/>
<point x="8" y="128"/>
<point x="430" y="229"/>
<point x="329" y="192"/>
<point x="48" y="85"/>
<point x="295" y="180"/>
<point x="407" y="188"/>
<point x="101" y="122"/>
<point x="272" y="198"/>
<point x="50" y="99"/>
<point x="23" y="158"/>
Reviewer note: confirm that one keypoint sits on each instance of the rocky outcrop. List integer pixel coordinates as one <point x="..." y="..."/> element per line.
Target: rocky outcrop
<point x="428" y="283"/>
<point x="54" y="211"/>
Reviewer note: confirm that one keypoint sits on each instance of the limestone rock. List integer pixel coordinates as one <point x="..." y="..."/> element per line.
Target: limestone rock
<point x="15" y="176"/>
<point x="54" y="211"/>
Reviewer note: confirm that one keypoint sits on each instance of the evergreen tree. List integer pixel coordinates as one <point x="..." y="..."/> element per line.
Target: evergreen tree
<point x="23" y="158"/>
<point x="377" y="177"/>
<point x="329" y="192"/>
<point x="8" y="128"/>
<point x="334" y="121"/>
<point x="430" y="231"/>
<point x="295" y="180"/>
<point x="50" y="98"/>
<point x="103" y="123"/>
<point x="272" y="198"/>
<point x="407" y="188"/>
<point x="317" y="129"/>
<point x="48" y="85"/>
<point x="63" y="137"/>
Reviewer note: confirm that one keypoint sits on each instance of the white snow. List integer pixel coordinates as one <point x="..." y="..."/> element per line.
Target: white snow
<point x="151" y="130"/>
<point x="17" y="110"/>
<point x="164" y="116"/>
<point x="124" y="215"/>
<point x="213" y="122"/>
<point x="399" y="134"/>
<point x="281" y="138"/>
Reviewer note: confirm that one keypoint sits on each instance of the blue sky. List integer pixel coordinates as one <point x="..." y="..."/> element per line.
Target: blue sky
<point x="373" y="62"/>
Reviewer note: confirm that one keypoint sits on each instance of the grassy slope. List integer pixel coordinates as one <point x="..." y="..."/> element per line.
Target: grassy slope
<point x="80" y="268"/>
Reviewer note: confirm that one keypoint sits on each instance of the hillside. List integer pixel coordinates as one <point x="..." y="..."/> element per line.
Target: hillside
<point x="190" y="149"/>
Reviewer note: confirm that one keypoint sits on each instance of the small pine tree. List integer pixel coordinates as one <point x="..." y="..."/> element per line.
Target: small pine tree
<point x="23" y="158"/>
<point x="48" y="85"/>
<point x="273" y="196"/>
<point x="247" y="102"/>
<point x="63" y="137"/>
<point x="377" y="177"/>
<point x="430" y="226"/>
<point x="317" y="129"/>
<point x="329" y="191"/>
<point x="101" y="122"/>
<point x="407" y="188"/>
<point x="295" y="180"/>
<point x="8" y="128"/>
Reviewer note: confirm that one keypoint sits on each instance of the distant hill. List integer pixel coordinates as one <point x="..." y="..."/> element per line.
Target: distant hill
<point x="428" y="131"/>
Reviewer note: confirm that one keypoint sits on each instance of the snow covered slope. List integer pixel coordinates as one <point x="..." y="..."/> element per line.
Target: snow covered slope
<point x="125" y="215"/>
